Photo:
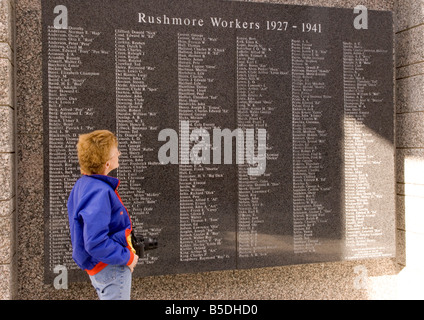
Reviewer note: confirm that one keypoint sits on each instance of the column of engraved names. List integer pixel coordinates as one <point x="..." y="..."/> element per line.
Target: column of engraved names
<point x="134" y="124"/>
<point x="254" y="104"/>
<point x="308" y="102"/>
<point x="360" y="96"/>
<point x="200" y="236"/>
<point x="67" y="119"/>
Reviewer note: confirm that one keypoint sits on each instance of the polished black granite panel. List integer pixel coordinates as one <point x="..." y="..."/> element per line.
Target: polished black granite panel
<point x="315" y="93"/>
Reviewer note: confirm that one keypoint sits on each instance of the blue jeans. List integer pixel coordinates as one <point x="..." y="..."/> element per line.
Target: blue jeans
<point x="113" y="283"/>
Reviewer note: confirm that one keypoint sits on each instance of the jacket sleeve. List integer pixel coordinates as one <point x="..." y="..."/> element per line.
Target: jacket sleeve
<point x="95" y="212"/>
<point x="124" y="238"/>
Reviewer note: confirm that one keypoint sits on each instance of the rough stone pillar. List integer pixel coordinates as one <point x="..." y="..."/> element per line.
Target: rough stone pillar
<point x="7" y="152"/>
<point x="410" y="144"/>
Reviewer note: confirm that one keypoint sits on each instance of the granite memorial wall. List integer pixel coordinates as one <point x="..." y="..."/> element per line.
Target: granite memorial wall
<point x="252" y="134"/>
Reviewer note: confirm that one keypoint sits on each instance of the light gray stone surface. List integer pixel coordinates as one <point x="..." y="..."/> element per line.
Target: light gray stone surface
<point x="416" y="69"/>
<point x="7" y="177"/>
<point x="5" y="282"/>
<point x="7" y="139"/>
<point x="6" y="21"/>
<point x="6" y="82"/>
<point x="7" y="207"/>
<point x="6" y="241"/>
<point x="409" y="94"/>
<point x="409" y="46"/>
<point x="6" y="51"/>
<point x="410" y="132"/>
<point x="409" y="13"/>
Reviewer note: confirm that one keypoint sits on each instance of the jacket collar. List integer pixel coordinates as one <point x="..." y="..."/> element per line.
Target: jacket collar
<point x="112" y="181"/>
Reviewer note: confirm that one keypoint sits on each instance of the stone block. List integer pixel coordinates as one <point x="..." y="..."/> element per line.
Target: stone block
<point x="410" y="94"/>
<point x="6" y="52"/>
<point x="7" y="207"/>
<point x="7" y="141"/>
<point x="6" y="82"/>
<point x="6" y="239"/>
<point x="410" y="71"/>
<point x="410" y="46"/>
<point x="410" y="130"/>
<point x="5" y="282"/>
<point x="408" y="13"/>
<point x="7" y="176"/>
<point x="6" y="21"/>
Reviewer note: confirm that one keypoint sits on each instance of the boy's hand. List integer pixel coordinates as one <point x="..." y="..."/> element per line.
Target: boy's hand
<point x="133" y="263"/>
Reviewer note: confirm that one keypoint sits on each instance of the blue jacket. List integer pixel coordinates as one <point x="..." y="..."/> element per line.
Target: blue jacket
<point x="99" y="223"/>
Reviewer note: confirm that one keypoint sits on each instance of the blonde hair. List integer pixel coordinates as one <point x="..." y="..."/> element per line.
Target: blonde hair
<point x="94" y="150"/>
